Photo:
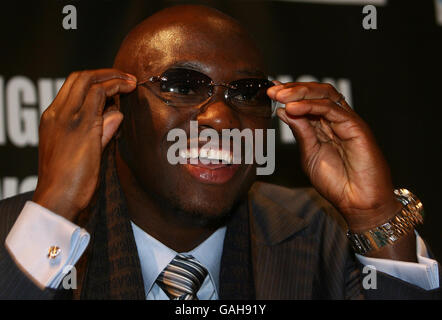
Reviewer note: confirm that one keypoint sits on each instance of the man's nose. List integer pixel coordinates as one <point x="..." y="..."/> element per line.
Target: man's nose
<point x="218" y="115"/>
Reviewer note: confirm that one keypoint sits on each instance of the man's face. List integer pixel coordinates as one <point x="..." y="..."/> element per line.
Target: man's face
<point x="203" y="194"/>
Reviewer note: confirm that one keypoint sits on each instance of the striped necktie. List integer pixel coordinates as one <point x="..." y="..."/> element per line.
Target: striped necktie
<point x="182" y="278"/>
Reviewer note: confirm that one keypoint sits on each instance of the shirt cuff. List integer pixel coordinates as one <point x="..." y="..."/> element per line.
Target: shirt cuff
<point x="36" y="230"/>
<point x="424" y="274"/>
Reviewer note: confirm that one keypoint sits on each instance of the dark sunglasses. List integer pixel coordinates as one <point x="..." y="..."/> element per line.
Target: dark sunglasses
<point x="181" y="87"/>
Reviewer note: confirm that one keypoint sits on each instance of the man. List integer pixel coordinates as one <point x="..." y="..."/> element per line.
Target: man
<point x="196" y="231"/>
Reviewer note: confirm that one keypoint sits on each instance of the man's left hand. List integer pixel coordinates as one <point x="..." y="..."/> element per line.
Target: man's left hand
<point x="338" y="153"/>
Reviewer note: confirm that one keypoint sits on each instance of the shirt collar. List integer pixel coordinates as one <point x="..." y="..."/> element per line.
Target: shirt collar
<point x="155" y="256"/>
<point x="209" y="253"/>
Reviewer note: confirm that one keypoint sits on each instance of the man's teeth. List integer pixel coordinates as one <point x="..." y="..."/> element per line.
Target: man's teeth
<point x="210" y="154"/>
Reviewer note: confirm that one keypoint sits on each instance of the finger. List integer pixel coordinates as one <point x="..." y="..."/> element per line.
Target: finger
<point x="66" y="87"/>
<point x="302" y="129"/>
<point x="86" y="79"/>
<point x="343" y="103"/>
<point x="296" y="91"/>
<point x="271" y="92"/>
<point x="346" y="125"/>
<point x="276" y="83"/>
<point x="319" y="107"/>
<point x="96" y="97"/>
<point x="111" y="122"/>
<point x="280" y="86"/>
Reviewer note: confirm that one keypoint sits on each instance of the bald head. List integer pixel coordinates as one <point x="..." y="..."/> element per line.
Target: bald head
<point x="187" y="33"/>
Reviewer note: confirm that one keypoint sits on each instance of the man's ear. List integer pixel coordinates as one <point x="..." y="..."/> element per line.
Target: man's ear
<point x="117" y="106"/>
<point x="117" y="101"/>
<point x="113" y="104"/>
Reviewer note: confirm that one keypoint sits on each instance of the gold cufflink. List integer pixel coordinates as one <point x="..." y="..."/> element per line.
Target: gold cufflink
<point x="54" y="251"/>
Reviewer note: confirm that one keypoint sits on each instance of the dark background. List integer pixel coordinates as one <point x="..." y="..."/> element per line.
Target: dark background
<point x="394" y="73"/>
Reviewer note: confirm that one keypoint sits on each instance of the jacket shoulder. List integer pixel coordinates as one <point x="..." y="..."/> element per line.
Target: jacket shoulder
<point x="278" y="212"/>
<point x="10" y="209"/>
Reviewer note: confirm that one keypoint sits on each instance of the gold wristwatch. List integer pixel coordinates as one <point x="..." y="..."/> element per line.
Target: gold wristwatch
<point x="388" y="233"/>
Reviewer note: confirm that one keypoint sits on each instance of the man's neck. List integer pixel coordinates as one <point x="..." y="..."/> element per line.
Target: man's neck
<point x="160" y="222"/>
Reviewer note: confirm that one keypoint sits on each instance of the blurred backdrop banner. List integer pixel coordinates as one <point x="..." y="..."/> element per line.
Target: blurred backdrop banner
<point x="384" y="56"/>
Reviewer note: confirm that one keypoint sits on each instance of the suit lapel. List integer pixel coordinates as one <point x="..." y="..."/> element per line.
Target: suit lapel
<point x="266" y="254"/>
<point x="113" y="268"/>
<point x="283" y="253"/>
<point x="236" y="274"/>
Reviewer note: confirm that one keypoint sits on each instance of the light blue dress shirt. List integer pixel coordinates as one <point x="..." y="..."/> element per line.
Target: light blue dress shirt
<point x="155" y="256"/>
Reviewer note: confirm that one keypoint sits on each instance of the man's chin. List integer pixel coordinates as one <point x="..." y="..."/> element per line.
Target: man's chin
<point x="207" y="215"/>
<point x="206" y="205"/>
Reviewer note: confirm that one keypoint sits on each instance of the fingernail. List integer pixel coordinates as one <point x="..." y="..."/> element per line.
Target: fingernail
<point x="272" y="92"/>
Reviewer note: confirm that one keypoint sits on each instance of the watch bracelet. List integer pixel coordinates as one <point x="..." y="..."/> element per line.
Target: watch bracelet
<point x="401" y="224"/>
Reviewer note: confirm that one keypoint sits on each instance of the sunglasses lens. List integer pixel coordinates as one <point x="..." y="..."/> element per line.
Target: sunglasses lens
<point x="181" y="87"/>
<point x="184" y="87"/>
<point x="250" y="95"/>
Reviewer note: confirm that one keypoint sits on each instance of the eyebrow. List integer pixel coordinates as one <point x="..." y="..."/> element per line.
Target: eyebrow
<point x="252" y="73"/>
<point x="195" y="65"/>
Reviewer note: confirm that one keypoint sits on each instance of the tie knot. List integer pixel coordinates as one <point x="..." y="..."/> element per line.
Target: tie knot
<point x="182" y="278"/>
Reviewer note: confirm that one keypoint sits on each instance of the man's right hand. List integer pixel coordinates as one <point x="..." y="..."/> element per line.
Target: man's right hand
<point x="73" y="133"/>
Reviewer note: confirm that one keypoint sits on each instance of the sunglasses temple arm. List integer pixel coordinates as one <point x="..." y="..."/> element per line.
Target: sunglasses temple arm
<point x="140" y="83"/>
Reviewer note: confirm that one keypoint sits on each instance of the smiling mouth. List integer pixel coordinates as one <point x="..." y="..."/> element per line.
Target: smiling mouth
<point x="212" y="166"/>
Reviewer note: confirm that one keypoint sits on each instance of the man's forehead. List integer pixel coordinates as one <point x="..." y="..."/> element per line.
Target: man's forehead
<point x="198" y="49"/>
<point x="206" y="43"/>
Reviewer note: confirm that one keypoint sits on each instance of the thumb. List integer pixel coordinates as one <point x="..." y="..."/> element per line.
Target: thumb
<point x="111" y="122"/>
